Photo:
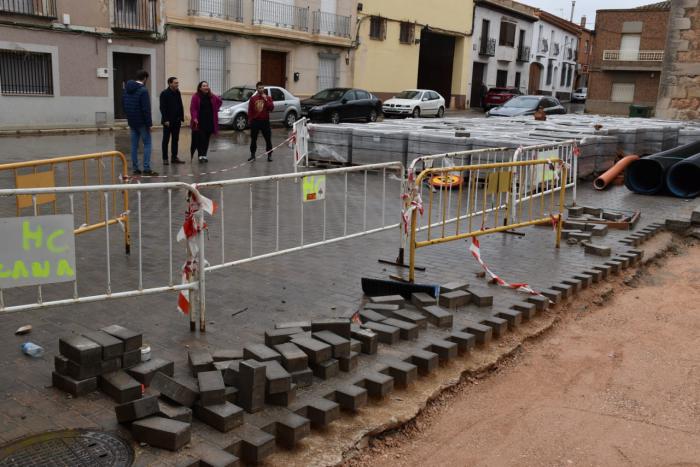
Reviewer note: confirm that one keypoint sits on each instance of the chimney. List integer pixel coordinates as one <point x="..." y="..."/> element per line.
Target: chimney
<point x="583" y="21"/>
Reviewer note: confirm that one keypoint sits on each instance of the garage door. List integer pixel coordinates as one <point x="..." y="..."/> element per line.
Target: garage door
<point x="212" y="68"/>
<point x="326" y="72"/>
<point x="622" y="92"/>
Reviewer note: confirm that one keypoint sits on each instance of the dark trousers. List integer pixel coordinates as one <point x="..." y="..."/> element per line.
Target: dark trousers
<point x="262" y="126"/>
<point x="200" y="143"/>
<point x="172" y="130"/>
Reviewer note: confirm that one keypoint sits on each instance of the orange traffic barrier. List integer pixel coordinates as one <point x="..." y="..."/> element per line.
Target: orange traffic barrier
<point x="609" y="175"/>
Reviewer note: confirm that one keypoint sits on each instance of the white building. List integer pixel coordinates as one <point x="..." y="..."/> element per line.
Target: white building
<point x="554" y="50"/>
<point x="503" y="32"/>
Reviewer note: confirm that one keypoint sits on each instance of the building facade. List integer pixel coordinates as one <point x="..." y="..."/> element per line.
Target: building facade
<point x="584" y="55"/>
<point x="628" y="58"/>
<point x="553" y="66"/>
<point x="501" y="48"/>
<point x="407" y="44"/>
<point x="63" y="63"/>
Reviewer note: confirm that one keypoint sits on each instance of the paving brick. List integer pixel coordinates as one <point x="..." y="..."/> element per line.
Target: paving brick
<point x="120" y="386"/>
<point x="280" y="336"/>
<point x="350" y="397"/>
<point x="678" y="225"/>
<point x="455" y="285"/>
<point x="615" y="266"/>
<point x="132" y="340"/>
<point x="482" y="333"/>
<point x="60" y="364"/>
<point x="291" y="428"/>
<point x="554" y="296"/>
<point x="407" y="331"/>
<point x="575" y="284"/>
<point x="315" y="350"/>
<point x="370" y="315"/>
<point x="595" y="274"/>
<point x="574" y="225"/>
<point x="695" y="216"/>
<point x="564" y="289"/>
<point x="633" y="258"/>
<point x="261" y="353"/>
<point x="340" y="345"/>
<point x="349" y="363"/>
<point x="303" y="378"/>
<point x="113" y="364"/>
<point x="174" y="390"/>
<point x="585" y="280"/>
<point x="438" y="316"/>
<point x="80" y="350"/>
<point x="251" y="385"/>
<point x="111" y="346"/>
<point x="592" y="211"/>
<point x="621" y="259"/>
<point x="464" y="340"/>
<point x="414" y="317"/>
<point x="445" y="349"/>
<point x="223" y="417"/>
<point x="378" y="385"/>
<point x="231" y="372"/>
<point x="188" y="462"/>
<point x="598" y="250"/>
<point x="255" y="444"/>
<point x="231" y="394"/>
<point x="321" y="412"/>
<point x="454" y="299"/>
<point x="227" y="354"/>
<point x="73" y="387"/>
<point x="131" y="359"/>
<point x="421" y="300"/>
<point x="277" y="378"/>
<point x="175" y="412"/>
<point x="513" y="317"/>
<point x="605" y="270"/>
<point x="215" y="457"/>
<point x="85" y="371"/>
<point x="338" y="326"/>
<point x="541" y="303"/>
<point x="367" y="337"/>
<point x="283" y="399"/>
<point x="200" y="360"/>
<point x="380" y="307"/>
<point x="222" y="366"/>
<point x="212" y="390"/>
<point x="388" y="300"/>
<point x="582" y="236"/>
<point x="161" y="432"/>
<point x="499" y="325"/>
<point x="327" y="369"/>
<point x="386" y="334"/>
<point x="575" y="211"/>
<point x="137" y="409"/>
<point x="527" y="309"/>
<point x="481" y="299"/>
<point x="144" y="372"/>
<point x="305" y="325"/>
<point x="599" y="230"/>
<point x="293" y="358"/>
<point x="355" y="346"/>
<point x="425" y="360"/>
<point x="404" y="373"/>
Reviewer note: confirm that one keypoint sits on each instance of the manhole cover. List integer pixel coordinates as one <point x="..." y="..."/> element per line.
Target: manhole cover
<point x="75" y="448"/>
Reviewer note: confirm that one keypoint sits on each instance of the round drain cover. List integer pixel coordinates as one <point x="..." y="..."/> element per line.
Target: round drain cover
<point x="68" y="447"/>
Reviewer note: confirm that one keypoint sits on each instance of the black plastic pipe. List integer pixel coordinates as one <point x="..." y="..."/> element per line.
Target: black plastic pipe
<point x="683" y="179"/>
<point x="647" y="176"/>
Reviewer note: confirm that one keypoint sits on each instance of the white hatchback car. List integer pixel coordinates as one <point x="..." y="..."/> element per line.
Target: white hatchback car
<point x="415" y="103"/>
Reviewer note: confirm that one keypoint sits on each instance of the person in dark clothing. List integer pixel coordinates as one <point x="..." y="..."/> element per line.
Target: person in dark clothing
<point x="137" y="107"/>
<point x="204" y="112"/>
<point x="172" y="115"/>
<point x="483" y="91"/>
<point x="259" y="108"/>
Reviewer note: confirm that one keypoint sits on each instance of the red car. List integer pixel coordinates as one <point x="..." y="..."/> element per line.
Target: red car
<point x="496" y="97"/>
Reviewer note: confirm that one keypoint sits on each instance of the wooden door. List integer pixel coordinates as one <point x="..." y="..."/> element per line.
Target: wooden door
<point x="477" y="82"/>
<point x="273" y="68"/>
<point x="534" y="83"/>
<point x="125" y="67"/>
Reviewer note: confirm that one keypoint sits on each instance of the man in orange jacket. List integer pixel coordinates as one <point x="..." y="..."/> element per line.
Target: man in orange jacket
<point x="259" y="108"/>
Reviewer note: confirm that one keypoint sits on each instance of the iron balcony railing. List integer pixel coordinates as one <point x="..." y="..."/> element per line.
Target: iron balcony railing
<point x="633" y="55"/>
<point x="555" y="49"/>
<point x="543" y="46"/>
<point x="569" y="53"/>
<point x="39" y="8"/>
<point x="231" y="10"/>
<point x="280" y="15"/>
<point x="487" y="47"/>
<point x="135" y="15"/>
<point x="523" y="54"/>
<point x="331" y="24"/>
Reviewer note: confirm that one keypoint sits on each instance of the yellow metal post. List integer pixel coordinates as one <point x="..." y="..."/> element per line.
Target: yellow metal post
<point x="562" y="198"/>
<point x="412" y="248"/>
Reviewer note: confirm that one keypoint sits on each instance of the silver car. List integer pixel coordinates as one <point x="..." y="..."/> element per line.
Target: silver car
<point x="234" y="110"/>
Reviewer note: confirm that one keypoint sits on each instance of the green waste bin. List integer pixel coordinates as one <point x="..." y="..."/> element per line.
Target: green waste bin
<point x="643" y="111"/>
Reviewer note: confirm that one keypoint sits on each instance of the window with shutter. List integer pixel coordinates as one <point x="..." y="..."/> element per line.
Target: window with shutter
<point x="377" y="28"/>
<point x="507" y="34"/>
<point x="622" y="92"/>
<point x="212" y="68"/>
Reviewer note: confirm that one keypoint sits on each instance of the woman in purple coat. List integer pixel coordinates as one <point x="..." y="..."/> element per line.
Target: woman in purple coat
<point x="204" y="112"/>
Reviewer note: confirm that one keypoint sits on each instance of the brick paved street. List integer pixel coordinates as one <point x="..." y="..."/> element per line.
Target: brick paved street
<point x="303" y="285"/>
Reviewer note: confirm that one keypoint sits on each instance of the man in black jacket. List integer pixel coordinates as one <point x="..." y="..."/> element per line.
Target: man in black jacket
<point x="173" y="115"/>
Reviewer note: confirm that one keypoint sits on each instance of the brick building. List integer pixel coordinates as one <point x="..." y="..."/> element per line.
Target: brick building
<point x="584" y="55"/>
<point x="628" y="58"/>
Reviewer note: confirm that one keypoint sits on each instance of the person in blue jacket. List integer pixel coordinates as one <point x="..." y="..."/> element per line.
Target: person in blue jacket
<point x="137" y="107"/>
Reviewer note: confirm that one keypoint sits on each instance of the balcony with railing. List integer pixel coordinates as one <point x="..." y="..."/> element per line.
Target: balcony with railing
<point x="280" y="15"/>
<point x="38" y="8"/>
<point x="487" y="47"/>
<point x="331" y="24"/>
<point x="632" y="60"/>
<point x="230" y="10"/>
<point x="135" y="16"/>
<point x="555" y="49"/>
<point x="543" y="47"/>
<point x="523" y="54"/>
<point x="569" y="53"/>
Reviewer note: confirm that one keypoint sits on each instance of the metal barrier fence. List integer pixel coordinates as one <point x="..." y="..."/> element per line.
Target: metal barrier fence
<point x="93" y="169"/>
<point x="498" y="197"/>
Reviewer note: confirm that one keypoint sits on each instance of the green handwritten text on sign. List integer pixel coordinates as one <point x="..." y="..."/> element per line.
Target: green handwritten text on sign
<point x="313" y="187"/>
<point x="36" y="250"/>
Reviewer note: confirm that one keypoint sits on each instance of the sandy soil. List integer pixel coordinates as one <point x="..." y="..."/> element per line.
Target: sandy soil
<point x="613" y="383"/>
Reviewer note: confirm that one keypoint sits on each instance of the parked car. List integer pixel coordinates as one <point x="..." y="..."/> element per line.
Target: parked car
<point x="496" y="97"/>
<point x="337" y="104"/>
<point x="579" y="95"/>
<point x="527" y="105"/>
<point x="234" y="110"/>
<point x="416" y="103"/>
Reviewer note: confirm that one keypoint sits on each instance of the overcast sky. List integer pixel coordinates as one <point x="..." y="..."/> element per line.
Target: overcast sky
<point x="583" y="7"/>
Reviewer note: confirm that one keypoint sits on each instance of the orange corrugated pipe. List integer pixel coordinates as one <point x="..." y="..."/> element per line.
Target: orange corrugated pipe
<point x="609" y="175"/>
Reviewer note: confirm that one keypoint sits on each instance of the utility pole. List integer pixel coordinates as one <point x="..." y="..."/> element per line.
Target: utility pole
<point x="573" y="4"/>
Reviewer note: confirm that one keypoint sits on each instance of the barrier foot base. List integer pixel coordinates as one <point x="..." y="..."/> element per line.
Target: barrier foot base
<point x="400" y="264"/>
